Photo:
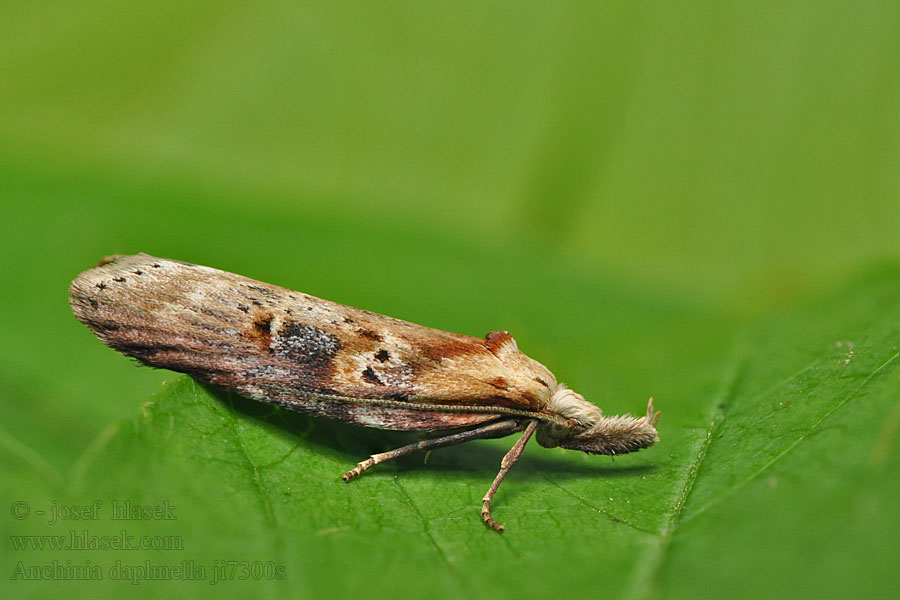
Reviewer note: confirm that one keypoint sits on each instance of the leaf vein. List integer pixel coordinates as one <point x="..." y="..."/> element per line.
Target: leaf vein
<point x="790" y="447"/>
<point x="598" y="509"/>
<point x="257" y="477"/>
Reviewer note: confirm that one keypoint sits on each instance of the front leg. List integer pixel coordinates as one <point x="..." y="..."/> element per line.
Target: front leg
<point x="505" y="465"/>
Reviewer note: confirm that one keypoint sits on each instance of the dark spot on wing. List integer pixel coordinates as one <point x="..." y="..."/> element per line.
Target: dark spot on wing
<point x="119" y="279"/>
<point x="368" y="333"/>
<point x="243" y="308"/>
<point x="370" y="376"/>
<point x="306" y="344"/>
<point x="101" y="286"/>
<point x="263" y="324"/>
<point x="382" y="356"/>
<point x="542" y="382"/>
<point x="262" y="331"/>
<point x="348" y="320"/>
<point x="264" y="291"/>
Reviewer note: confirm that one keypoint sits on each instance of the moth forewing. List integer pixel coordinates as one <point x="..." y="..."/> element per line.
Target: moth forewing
<point x="327" y="359"/>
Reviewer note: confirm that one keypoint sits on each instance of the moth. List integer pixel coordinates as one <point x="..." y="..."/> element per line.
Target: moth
<point x="329" y="360"/>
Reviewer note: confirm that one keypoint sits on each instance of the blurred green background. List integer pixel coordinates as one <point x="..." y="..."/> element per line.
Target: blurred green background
<point x="629" y="188"/>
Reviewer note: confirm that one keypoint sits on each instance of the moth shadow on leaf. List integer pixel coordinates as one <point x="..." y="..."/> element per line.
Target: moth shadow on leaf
<point x="482" y="457"/>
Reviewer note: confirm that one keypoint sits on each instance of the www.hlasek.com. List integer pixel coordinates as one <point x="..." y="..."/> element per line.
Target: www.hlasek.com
<point x="84" y="540"/>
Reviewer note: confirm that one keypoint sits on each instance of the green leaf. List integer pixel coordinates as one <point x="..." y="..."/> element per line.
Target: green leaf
<point x="793" y="484"/>
<point x="783" y="475"/>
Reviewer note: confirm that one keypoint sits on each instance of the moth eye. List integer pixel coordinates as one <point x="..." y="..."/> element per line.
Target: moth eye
<point x="558" y="430"/>
<point x="550" y="435"/>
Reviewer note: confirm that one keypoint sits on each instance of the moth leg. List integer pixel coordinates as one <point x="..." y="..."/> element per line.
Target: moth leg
<point x="505" y="465"/>
<point x="497" y="429"/>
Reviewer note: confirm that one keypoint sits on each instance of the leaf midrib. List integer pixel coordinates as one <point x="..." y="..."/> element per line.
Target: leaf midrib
<point x="648" y="570"/>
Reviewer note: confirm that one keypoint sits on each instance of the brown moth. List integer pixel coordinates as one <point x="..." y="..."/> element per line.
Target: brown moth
<point x="326" y="359"/>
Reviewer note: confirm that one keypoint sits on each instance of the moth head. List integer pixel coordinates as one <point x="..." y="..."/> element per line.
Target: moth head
<point x="589" y="431"/>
